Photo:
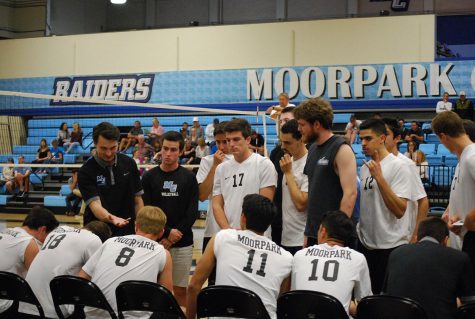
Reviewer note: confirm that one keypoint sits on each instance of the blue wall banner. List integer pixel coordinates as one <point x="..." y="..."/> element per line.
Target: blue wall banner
<point x="347" y="87"/>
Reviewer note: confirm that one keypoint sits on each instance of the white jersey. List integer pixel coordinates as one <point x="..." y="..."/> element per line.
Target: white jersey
<point x="245" y="259"/>
<point x="122" y="258"/>
<point x="293" y="221"/>
<point x="418" y="192"/>
<point x="211" y="227"/>
<point x="462" y="199"/>
<point x="235" y="180"/>
<point x="13" y="244"/>
<point x="65" y="251"/>
<point x="378" y="228"/>
<point x="334" y="270"/>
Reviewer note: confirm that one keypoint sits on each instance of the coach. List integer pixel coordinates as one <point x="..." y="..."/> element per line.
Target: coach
<point x="110" y="183"/>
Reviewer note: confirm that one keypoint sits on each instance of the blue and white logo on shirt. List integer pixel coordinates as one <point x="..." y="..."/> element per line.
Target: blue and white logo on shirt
<point x="101" y="180"/>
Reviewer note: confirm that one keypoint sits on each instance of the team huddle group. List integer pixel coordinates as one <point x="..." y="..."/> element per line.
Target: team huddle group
<point x="287" y="222"/>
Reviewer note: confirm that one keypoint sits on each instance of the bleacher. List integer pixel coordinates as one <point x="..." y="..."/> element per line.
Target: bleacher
<point x="51" y="191"/>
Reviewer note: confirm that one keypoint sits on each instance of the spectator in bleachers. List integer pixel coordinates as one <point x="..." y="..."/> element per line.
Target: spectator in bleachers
<point x="411" y="150"/>
<point x="188" y="153"/>
<point x="131" y="138"/>
<point x="423" y="165"/>
<point x="74" y="198"/>
<point x="464" y="107"/>
<point x="193" y="136"/>
<point x="201" y="151"/>
<point x="198" y="127"/>
<point x="209" y="132"/>
<point x="8" y="175"/>
<point x="275" y="111"/>
<point x="257" y="143"/>
<point x="145" y="149"/>
<point x="75" y="140"/>
<point x="352" y="128"/>
<point x="403" y="129"/>
<point x="43" y="155"/>
<point x="63" y="135"/>
<point x="444" y="105"/>
<point x="22" y="176"/>
<point x="57" y="153"/>
<point x="184" y="131"/>
<point x="415" y="134"/>
<point x="155" y="131"/>
<point x="138" y="160"/>
<point x="157" y="150"/>
<point x="469" y="127"/>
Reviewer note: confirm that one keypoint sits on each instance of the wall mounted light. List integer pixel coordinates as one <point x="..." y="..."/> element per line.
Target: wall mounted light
<point x="118" y="1"/>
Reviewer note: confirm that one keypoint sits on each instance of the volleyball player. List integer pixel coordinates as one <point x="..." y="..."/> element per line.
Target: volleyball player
<point x="130" y="257"/>
<point x="245" y="258"/>
<point x="449" y="129"/>
<point x="294" y="187"/>
<point x="331" y="267"/>
<point x="64" y="252"/>
<point x="330" y="167"/>
<point x="385" y="191"/>
<point x="246" y="173"/>
<point x="418" y="206"/>
<point x="205" y="178"/>
<point x="20" y="245"/>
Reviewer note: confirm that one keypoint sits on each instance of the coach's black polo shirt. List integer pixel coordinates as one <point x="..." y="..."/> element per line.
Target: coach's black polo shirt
<point x="116" y="186"/>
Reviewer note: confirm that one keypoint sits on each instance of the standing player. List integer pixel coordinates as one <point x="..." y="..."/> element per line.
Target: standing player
<point x="385" y="190"/>
<point x="449" y="129"/>
<point x="294" y="187"/>
<point x="65" y="251"/>
<point x="418" y="207"/>
<point x="131" y="257"/>
<point x="331" y="267"/>
<point x="276" y="154"/>
<point x="205" y="177"/>
<point x="330" y="167"/>
<point x="20" y="245"/>
<point x="174" y="189"/>
<point x="267" y="270"/>
<point x="110" y="183"/>
<point x="246" y="173"/>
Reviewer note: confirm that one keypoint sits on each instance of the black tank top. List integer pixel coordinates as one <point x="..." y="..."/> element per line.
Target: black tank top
<point x="324" y="188"/>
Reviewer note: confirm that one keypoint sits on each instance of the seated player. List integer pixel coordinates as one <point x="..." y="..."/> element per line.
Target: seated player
<point x="245" y="258"/>
<point x="429" y="272"/>
<point x="330" y="267"/>
<point x="20" y="245"/>
<point x="131" y="257"/>
<point x="22" y="176"/>
<point x="65" y="251"/>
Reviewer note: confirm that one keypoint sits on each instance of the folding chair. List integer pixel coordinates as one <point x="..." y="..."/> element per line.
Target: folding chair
<point x="309" y="304"/>
<point x="71" y="290"/>
<point x="229" y="301"/>
<point x="389" y="307"/>
<point x="15" y="288"/>
<point x="466" y="311"/>
<point x="147" y="296"/>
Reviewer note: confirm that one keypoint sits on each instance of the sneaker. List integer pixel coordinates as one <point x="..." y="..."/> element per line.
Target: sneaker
<point x="21" y="194"/>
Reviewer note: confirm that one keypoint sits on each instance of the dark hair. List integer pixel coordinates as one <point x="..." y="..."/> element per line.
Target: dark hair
<point x="54" y="141"/>
<point x="44" y="140"/>
<point x="216" y="121"/>
<point x="338" y="225"/>
<point x="287" y="109"/>
<point x="61" y="126"/>
<point x="240" y="125"/>
<point x="219" y="129"/>
<point x="374" y="124"/>
<point x="107" y="131"/>
<point x="40" y="216"/>
<point x="448" y="123"/>
<point x="292" y="127"/>
<point x="393" y="126"/>
<point x="259" y="212"/>
<point x="10" y="160"/>
<point x="434" y="227"/>
<point x="174" y="136"/>
<point x="315" y="109"/>
<point x="469" y="127"/>
<point x="100" y="229"/>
